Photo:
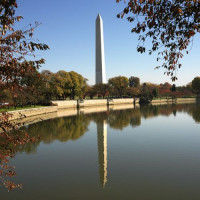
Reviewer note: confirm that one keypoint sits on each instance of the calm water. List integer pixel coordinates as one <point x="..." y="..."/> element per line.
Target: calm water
<point x="147" y="153"/>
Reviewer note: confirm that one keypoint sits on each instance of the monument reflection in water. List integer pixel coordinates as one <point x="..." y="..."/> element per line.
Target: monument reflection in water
<point x="158" y="157"/>
<point x="102" y="150"/>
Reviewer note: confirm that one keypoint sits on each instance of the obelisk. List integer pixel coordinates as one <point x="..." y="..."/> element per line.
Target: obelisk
<point x="100" y="55"/>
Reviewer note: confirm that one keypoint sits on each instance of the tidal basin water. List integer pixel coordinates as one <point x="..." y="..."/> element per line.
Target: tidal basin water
<point x="146" y="153"/>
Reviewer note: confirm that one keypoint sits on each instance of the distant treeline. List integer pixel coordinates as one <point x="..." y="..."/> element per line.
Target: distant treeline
<point x="40" y="88"/>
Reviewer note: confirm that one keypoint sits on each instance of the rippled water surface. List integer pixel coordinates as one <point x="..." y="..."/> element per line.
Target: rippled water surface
<point x="147" y="153"/>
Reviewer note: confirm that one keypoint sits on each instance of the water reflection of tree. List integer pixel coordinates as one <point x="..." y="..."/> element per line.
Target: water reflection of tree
<point x="149" y="111"/>
<point x="122" y="118"/>
<point x="98" y="117"/>
<point x="196" y="113"/>
<point x="72" y="128"/>
<point x="61" y="129"/>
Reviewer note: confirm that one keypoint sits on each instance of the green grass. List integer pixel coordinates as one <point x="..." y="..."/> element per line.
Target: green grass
<point x="19" y="108"/>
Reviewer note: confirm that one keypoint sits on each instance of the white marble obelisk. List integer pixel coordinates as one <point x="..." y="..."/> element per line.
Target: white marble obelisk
<point x="100" y="55"/>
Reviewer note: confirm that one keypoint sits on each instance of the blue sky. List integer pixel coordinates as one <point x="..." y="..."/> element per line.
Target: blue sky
<point x="68" y="27"/>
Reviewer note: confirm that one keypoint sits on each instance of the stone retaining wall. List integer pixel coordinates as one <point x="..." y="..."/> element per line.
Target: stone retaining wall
<point x="179" y="100"/>
<point x="65" y="104"/>
<point x="68" y="108"/>
<point x="95" y="102"/>
<point x="32" y="112"/>
<point x="123" y="101"/>
<point x="186" y="100"/>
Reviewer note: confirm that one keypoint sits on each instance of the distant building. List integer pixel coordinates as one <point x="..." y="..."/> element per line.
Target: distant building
<point x="100" y="54"/>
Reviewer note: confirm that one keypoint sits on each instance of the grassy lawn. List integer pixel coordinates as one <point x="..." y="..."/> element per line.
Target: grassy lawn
<point x="19" y="108"/>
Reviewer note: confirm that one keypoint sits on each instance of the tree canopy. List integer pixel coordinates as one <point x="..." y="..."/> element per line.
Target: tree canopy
<point x="102" y="89"/>
<point x="119" y="83"/>
<point x="196" y="85"/>
<point x="171" y="26"/>
<point x="134" y="81"/>
<point x="16" y="46"/>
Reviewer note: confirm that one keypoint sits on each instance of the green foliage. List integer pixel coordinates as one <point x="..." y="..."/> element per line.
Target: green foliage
<point x="173" y="88"/>
<point x="56" y="85"/>
<point x="155" y="92"/>
<point x="196" y="85"/>
<point x="6" y="96"/>
<point x="170" y="25"/>
<point x="132" y="91"/>
<point x="102" y="89"/>
<point x="134" y="82"/>
<point x="77" y="85"/>
<point x="119" y="85"/>
<point x="145" y="94"/>
<point x="90" y="91"/>
<point x="65" y="84"/>
<point x="32" y="85"/>
<point x="40" y="88"/>
<point x="15" y="46"/>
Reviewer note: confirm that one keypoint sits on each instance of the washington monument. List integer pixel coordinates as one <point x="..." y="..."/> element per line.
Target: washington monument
<point x="100" y="56"/>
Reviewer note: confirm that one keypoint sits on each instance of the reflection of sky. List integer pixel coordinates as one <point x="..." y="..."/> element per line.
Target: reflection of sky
<point x="157" y="160"/>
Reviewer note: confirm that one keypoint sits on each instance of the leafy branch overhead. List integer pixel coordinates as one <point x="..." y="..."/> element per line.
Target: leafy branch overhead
<point x="16" y="45"/>
<point x="170" y="24"/>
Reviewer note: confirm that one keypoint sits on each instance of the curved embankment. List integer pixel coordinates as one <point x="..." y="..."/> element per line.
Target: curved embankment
<point x="50" y="114"/>
<point x="105" y="102"/>
<point x="179" y="101"/>
<point x="69" y="108"/>
<point x="92" y="103"/>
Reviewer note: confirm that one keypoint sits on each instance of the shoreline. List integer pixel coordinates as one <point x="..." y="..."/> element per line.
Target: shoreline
<point x="33" y="115"/>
